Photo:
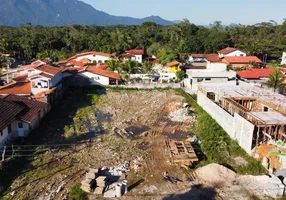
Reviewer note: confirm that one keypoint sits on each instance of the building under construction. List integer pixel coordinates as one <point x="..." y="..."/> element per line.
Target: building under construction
<point x="249" y="114"/>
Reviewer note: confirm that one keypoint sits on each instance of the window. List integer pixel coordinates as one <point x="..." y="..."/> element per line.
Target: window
<point x="20" y="125"/>
<point x="241" y="54"/>
<point x="1" y="133"/>
<point x="208" y="79"/>
<point x="9" y="128"/>
<point x="265" y="109"/>
<point x="31" y="71"/>
<point x="200" y="80"/>
<point x="96" y="78"/>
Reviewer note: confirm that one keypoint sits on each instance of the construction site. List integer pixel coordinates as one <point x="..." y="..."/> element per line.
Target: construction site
<point x="124" y="144"/>
<point x="253" y="116"/>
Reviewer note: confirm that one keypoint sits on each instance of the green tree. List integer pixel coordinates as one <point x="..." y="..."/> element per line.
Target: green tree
<point x="276" y="80"/>
<point x="131" y="67"/>
<point x="113" y="65"/>
<point x="147" y="67"/>
<point x="180" y="75"/>
<point x="165" y="56"/>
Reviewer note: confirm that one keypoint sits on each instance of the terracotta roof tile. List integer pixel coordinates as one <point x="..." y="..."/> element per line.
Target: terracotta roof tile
<point x="241" y="59"/>
<point x="84" y="60"/>
<point x="171" y="64"/>
<point x="227" y="50"/>
<point x="255" y="73"/>
<point x="49" y="69"/>
<point x="135" y="52"/>
<point x="21" y="78"/>
<point x="76" y="63"/>
<point x="213" y="58"/>
<point x="32" y="108"/>
<point x="21" y="88"/>
<point x="95" y="70"/>
<point x="9" y="112"/>
<point x="202" y="55"/>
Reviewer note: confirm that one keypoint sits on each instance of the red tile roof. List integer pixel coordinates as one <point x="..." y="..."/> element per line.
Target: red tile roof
<point x="21" y="88"/>
<point x="84" y="60"/>
<point x="171" y="64"/>
<point x="135" y="52"/>
<point x="202" y="55"/>
<point x="241" y="59"/>
<point x="43" y="93"/>
<point x="284" y="70"/>
<point x="9" y="112"/>
<point x="21" y="78"/>
<point x="227" y="50"/>
<point x="32" y="108"/>
<point x="254" y="73"/>
<point x="76" y="63"/>
<point x="95" y="70"/>
<point x="49" y="69"/>
<point x="213" y="58"/>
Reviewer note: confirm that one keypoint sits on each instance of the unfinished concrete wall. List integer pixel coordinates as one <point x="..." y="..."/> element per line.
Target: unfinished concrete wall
<point x="243" y="132"/>
<point x="236" y="126"/>
<point x="223" y="118"/>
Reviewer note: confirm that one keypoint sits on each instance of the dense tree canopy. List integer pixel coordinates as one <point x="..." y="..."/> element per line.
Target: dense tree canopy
<point x="28" y="42"/>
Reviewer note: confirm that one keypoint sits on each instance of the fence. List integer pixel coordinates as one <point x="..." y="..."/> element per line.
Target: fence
<point x="149" y="85"/>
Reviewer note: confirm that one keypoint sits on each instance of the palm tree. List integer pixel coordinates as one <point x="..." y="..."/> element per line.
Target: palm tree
<point x="113" y="65"/>
<point x="276" y="80"/>
<point x="131" y="67"/>
<point x="147" y="67"/>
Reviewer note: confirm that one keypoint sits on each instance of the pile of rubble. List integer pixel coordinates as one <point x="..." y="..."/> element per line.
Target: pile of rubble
<point x="182" y="115"/>
<point x="109" y="182"/>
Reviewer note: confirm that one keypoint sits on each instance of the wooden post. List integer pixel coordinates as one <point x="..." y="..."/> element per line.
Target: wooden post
<point x="3" y="154"/>
<point x="13" y="150"/>
<point x="257" y="137"/>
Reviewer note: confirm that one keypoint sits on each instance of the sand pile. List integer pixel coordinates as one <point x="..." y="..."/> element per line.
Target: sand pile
<point x="215" y="173"/>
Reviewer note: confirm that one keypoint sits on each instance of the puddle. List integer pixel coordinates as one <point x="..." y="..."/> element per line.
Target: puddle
<point x="137" y="130"/>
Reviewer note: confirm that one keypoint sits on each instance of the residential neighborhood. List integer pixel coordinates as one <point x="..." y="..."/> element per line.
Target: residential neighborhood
<point x="157" y="110"/>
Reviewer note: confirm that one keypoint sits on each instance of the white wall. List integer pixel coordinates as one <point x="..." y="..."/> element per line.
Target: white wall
<point x="138" y="58"/>
<point x="234" y="53"/>
<point x="93" y="57"/>
<point x="283" y="62"/>
<point x="243" y="132"/>
<point x="205" y="75"/>
<point x="4" y="136"/>
<point x="218" y="67"/>
<point x="95" y="79"/>
<point x="236" y="126"/>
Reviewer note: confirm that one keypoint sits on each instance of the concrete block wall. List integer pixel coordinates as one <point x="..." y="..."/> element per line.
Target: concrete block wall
<point x="223" y="118"/>
<point x="243" y="132"/>
<point x="236" y="126"/>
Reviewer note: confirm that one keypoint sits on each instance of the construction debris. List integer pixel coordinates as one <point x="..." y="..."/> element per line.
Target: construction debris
<point x="106" y="181"/>
<point x="182" y="152"/>
<point x="274" y="187"/>
<point x="181" y="115"/>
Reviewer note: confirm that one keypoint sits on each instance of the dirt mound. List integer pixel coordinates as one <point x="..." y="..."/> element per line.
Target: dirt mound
<point x="215" y="174"/>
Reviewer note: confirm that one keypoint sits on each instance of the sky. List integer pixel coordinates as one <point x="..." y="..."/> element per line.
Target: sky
<point x="200" y="12"/>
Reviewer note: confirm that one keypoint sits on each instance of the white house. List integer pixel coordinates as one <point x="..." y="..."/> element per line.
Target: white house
<point x="96" y="76"/>
<point x="19" y="115"/>
<point x="91" y="56"/>
<point x="283" y="62"/>
<point x="134" y="54"/>
<point x="215" y="73"/>
<point x="229" y="51"/>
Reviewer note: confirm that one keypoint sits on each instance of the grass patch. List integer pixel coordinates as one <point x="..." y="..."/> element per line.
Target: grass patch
<point x="216" y="143"/>
<point x="76" y="193"/>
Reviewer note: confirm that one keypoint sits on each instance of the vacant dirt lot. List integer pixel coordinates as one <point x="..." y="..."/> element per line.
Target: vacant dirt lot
<point x="114" y="126"/>
<point x="144" y="114"/>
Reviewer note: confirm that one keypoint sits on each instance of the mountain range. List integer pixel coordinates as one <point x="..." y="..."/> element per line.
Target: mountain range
<point x="63" y="12"/>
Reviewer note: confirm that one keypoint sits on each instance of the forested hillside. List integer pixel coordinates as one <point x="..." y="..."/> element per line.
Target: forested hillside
<point x="28" y="42"/>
